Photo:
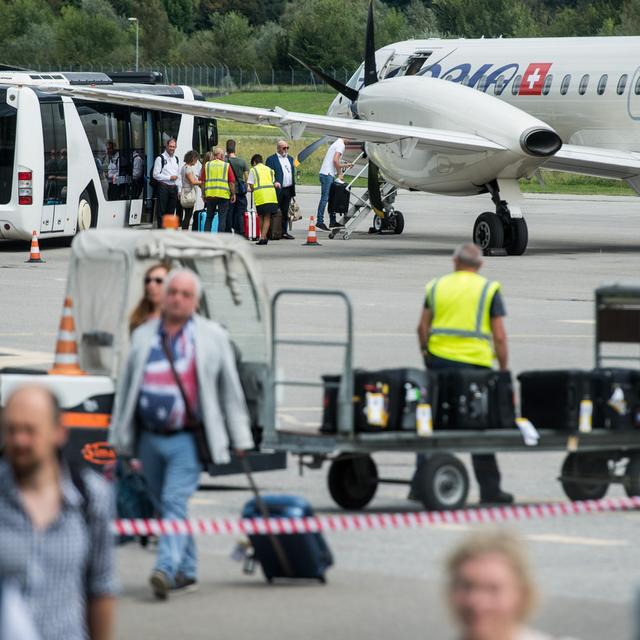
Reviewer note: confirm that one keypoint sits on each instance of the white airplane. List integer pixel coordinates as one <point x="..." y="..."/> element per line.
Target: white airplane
<point x="464" y="117"/>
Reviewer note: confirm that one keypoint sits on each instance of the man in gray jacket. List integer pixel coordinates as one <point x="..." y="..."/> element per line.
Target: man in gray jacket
<point x="181" y="372"/>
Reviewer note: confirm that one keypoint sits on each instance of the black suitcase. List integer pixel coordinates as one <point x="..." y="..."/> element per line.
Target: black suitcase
<point x="551" y="399"/>
<point x="475" y="399"/>
<point x="339" y="197"/>
<point x="401" y="390"/>
<point x="616" y="398"/>
<point x="307" y="554"/>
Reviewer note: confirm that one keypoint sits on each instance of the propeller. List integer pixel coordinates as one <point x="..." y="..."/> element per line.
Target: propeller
<point x="310" y="149"/>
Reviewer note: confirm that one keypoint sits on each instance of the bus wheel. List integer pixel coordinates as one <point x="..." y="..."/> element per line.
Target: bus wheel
<point x="85" y="213"/>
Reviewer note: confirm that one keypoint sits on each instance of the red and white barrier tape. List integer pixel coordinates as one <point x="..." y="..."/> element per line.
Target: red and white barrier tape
<point x="369" y="521"/>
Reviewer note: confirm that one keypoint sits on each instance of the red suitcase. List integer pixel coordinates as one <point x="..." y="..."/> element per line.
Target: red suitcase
<point x="251" y="225"/>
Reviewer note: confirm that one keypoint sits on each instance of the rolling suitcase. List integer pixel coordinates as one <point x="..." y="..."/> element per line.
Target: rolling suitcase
<point x="292" y="556"/>
<point x="339" y="197"/>
<point x="251" y="225"/>
<point x="551" y="399"/>
<point x="199" y="219"/>
<point x="275" y="228"/>
<point x="616" y="398"/>
<point x="475" y="399"/>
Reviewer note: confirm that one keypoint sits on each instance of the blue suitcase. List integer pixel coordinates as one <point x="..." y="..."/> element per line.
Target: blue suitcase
<point x="308" y="554"/>
<point x="200" y="217"/>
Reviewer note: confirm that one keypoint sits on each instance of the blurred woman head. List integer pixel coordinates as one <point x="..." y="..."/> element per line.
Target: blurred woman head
<point x="149" y="305"/>
<point x="191" y="157"/>
<point x="208" y="157"/>
<point x="490" y="588"/>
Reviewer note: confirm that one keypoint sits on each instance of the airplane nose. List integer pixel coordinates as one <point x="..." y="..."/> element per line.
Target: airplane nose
<point x="540" y="142"/>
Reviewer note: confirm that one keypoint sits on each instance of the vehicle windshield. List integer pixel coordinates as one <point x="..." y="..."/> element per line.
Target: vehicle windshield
<point x="8" y="119"/>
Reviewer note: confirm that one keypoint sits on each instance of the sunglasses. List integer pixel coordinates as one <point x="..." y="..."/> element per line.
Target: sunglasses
<point x="285" y="148"/>
<point x="155" y="280"/>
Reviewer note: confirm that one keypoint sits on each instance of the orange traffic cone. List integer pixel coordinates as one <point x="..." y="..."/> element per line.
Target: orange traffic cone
<point x="34" y="254"/>
<point x="312" y="235"/>
<point x="170" y="221"/>
<point x="66" y="362"/>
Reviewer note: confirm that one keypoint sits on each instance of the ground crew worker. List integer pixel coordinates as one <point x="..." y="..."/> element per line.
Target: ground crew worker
<point x="261" y="183"/>
<point x="462" y="315"/>
<point x="219" y="189"/>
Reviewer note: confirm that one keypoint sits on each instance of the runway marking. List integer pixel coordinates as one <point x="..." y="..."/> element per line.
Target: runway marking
<point x="10" y="357"/>
<point x="578" y="321"/>
<point x="576" y="540"/>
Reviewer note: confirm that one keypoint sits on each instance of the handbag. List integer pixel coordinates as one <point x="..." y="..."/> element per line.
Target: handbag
<point x="294" y="211"/>
<point x="188" y="198"/>
<point x="194" y="426"/>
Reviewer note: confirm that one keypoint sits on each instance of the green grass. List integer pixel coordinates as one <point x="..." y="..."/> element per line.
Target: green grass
<point x="261" y="139"/>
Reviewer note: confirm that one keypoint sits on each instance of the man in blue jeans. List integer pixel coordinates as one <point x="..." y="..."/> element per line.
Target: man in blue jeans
<point x="332" y="166"/>
<point x="180" y="380"/>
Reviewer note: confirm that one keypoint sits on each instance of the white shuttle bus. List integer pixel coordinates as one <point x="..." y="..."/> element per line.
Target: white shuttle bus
<point x="68" y="165"/>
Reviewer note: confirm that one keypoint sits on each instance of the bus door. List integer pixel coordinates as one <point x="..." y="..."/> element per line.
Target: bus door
<point x="138" y="163"/>
<point x="54" y="135"/>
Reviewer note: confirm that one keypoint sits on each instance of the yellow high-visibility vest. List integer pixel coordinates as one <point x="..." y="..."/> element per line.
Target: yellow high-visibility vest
<point x="263" y="190"/>
<point x="216" y="180"/>
<point x="461" y="325"/>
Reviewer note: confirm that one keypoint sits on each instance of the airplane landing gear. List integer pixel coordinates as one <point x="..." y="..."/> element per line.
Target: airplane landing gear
<point x="502" y="229"/>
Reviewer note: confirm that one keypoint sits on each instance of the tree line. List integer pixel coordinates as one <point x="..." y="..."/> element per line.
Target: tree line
<point x="260" y="34"/>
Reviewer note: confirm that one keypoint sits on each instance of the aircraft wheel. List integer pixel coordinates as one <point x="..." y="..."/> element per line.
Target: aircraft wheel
<point x="398" y="223"/>
<point x="516" y="237"/>
<point x="488" y="232"/>
<point x="378" y="224"/>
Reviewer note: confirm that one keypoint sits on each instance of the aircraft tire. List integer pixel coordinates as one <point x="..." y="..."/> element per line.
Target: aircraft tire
<point x="398" y="223"/>
<point x="516" y="237"/>
<point x="488" y="232"/>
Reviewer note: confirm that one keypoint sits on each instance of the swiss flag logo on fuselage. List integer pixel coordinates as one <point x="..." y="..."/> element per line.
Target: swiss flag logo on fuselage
<point x="534" y="78"/>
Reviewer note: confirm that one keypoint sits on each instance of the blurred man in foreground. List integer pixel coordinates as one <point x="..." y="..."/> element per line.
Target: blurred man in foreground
<point x="56" y="544"/>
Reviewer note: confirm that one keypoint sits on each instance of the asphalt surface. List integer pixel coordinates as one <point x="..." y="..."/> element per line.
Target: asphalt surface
<point x="588" y="567"/>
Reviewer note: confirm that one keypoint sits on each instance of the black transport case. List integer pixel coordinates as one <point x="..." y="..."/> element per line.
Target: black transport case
<point x="616" y="398"/>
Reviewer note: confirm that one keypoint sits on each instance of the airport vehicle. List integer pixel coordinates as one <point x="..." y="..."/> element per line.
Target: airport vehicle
<point x="68" y="165"/>
<point x="595" y="458"/>
<point x="466" y="117"/>
<point x="105" y="282"/>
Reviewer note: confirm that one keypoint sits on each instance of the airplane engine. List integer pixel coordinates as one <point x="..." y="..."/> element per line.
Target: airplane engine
<point x="437" y="104"/>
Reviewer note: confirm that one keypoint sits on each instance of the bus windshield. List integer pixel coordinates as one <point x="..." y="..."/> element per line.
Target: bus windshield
<point x="8" y="119"/>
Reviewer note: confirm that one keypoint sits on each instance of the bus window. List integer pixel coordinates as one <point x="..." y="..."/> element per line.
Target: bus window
<point x="107" y="128"/>
<point x="138" y="155"/>
<point x="167" y="126"/>
<point x="205" y="135"/>
<point x="8" y="120"/>
<point x="54" y="136"/>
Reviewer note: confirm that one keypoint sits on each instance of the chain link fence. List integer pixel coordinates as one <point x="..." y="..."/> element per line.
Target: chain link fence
<point x="221" y="78"/>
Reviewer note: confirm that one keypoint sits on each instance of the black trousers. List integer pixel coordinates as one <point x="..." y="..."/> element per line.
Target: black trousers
<point x="235" y="216"/>
<point x="167" y="201"/>
<point x="485" y="465"/>
<point x="221" y="206"/>
<point x="284" y="200"/>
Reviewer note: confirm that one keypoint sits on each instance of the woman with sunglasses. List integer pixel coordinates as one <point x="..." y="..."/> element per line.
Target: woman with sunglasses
<point x="149" y="305"/>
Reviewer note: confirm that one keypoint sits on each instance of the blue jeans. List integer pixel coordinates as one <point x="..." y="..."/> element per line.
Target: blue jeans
<point x="325" y="187"/>
<point x="172" y="470"/>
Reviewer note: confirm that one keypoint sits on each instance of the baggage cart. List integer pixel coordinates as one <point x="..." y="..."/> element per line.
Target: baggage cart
<point x="594" y="460"/>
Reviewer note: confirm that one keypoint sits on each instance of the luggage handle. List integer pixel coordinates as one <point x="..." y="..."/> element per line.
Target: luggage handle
<point x="262" y="507"/>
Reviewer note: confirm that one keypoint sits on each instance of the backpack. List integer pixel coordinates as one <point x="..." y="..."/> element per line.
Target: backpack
<point x="163" y="161"/>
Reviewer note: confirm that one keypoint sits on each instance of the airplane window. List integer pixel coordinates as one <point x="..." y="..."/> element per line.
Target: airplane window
<point x="564" y="87"/>
<point x="584" y="83"/>
<point x="515" y="88"/>
<point x="482" y="84"/>
<point x="602" y="84"/>
<point x="546" y="87"/>
<point x="449" y="77"/>
<point x="498" y="86"/>
<point x="622" y="84"/>
<point x="637" y="89"/>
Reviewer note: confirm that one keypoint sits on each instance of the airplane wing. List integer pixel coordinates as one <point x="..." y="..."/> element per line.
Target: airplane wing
<point x="293" y="124"/>
<point x="596" y="161"/>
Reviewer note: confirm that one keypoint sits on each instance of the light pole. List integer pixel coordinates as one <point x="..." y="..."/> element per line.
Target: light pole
<point x="137" y="34"/>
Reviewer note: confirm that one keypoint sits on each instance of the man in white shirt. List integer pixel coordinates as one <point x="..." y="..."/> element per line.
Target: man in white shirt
<point x="166" y="173"/>
<point x="332" y="166"/>
<point x="283" y="166"/>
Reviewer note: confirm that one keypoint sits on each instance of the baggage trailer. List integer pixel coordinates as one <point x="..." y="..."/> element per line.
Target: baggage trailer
<point x="105" y="282"/>
<point x="595" y="459"/>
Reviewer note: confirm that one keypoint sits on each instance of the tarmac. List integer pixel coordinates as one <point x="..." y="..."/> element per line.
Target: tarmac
<point x="390" y="582"/>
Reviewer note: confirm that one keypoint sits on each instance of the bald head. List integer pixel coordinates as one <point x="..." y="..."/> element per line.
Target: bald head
<point x="467" y="257"/>
<point x="282" y="147"/>
<point x="182" y="290"/>
<point x="32" y="431"/>
<point x="218" y="153"/>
